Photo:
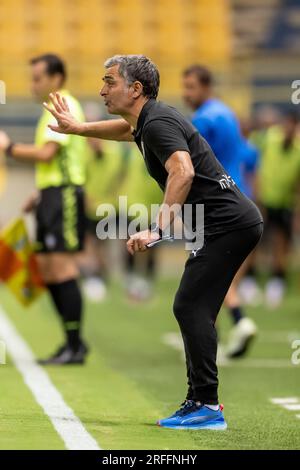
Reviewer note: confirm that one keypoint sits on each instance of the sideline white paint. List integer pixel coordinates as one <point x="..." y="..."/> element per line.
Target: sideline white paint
<point x="288" y="403"/>
<point x="66" y="423"/>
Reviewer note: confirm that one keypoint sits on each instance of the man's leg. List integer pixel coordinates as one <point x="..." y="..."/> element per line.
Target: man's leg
<point x="232" y="302"/>
<point x="281" y="249"/>
<point x="61" y="221"/>
<point x="244" y="329"/>
<point x="190" y="392"/>
<point x="282" y="238"/>
<point x="203" y="287"/>
<point x="60" y="272"/>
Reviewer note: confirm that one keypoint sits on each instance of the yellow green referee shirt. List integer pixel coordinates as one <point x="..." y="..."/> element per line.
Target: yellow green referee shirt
<point x="279" y="172"/>
<point x="68" y="166"/>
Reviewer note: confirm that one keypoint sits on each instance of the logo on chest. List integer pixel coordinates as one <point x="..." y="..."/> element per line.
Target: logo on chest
<point x="226" y="182"/>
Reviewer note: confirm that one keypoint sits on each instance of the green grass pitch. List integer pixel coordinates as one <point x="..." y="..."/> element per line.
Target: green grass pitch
<point x="132" y="378"/>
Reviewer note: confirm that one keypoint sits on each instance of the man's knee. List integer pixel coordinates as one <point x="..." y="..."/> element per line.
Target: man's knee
<point x="58" y="267"/>
<point x="181" y="305"/>
<point x="196" y="313"/>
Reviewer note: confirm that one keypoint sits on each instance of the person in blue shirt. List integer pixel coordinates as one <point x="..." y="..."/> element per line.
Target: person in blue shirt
<point x="217" y="123"/>
<point x="249" y="165"/>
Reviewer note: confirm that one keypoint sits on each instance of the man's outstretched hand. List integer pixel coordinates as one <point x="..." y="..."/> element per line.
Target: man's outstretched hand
<point x="66" y="123"/>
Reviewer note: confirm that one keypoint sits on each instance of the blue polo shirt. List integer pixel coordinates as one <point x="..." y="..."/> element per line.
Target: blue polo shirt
<point x="219" y="126"/>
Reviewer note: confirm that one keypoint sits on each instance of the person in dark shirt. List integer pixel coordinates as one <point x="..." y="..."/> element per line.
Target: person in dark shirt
<point x="184" y="166"/>
<point x="219" y="126"/>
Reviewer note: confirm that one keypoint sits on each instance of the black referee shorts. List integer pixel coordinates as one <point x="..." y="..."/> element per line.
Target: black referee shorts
<point x="60" y="218"/>
<point x="204" y="284"/>
<point x="281" y="219"/>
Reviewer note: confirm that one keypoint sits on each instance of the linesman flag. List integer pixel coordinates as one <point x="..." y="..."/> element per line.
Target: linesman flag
<point x="18" y="265"/>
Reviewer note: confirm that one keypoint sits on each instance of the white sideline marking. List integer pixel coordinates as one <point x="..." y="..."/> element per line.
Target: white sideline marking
<point x="283" y="336"/>
<point x="289" y="403"/>
<point x="174" y="340"/>
<point x="292" y="407"/>
<point x="66" y="423"/>
<point x="284" y="401"/>
<point x="260" y="363"/>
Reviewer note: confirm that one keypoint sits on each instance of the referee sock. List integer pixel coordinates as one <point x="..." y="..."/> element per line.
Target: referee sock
<point x="68" y="301"/>
<point x="236" y="313"/>
<point x="279" y="273"/>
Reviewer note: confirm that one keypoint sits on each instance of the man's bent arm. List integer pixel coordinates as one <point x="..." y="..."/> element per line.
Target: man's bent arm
<point x="180" y="177"/>
<point x="112" y="129"/>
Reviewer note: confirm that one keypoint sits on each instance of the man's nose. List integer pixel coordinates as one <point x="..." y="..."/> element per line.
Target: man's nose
<point x="102" y="91"/>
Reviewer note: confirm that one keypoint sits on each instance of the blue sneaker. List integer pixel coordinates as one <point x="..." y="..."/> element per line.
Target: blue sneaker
<point x="193" y="416"/>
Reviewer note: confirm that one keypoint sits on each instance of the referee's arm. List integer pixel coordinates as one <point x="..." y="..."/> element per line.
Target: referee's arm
<point x="32" y="153"/>
<point x="27" y="152"/>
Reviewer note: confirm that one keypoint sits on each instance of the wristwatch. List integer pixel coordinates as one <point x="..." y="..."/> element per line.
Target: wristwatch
<point x="155" y="228"/>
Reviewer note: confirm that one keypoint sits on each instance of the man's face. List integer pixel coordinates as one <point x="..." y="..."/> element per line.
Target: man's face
<point x="194" y="93"/>
<point x="41" y="83"/>
<point x="118" y="96"/>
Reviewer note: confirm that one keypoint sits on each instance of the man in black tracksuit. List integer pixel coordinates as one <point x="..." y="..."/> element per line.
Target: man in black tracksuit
<point x="184" y="166"/>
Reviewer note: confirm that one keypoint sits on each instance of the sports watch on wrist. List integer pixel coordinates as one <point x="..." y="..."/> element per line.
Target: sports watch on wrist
<point x="155" y="228"/>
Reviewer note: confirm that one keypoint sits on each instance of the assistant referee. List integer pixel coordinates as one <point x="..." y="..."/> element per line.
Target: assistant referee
<point x="59" y="162"/>
<point x="184" y="166"/>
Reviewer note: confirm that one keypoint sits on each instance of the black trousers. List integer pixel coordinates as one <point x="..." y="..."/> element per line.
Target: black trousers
<point x="204" y="284"/>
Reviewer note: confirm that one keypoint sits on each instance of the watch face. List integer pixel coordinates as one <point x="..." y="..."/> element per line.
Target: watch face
<point x="154" y="227"/>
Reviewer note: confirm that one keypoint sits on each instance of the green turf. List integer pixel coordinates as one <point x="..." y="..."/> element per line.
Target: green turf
<point x="132" y="378"/>
<point x="23" y="423"/>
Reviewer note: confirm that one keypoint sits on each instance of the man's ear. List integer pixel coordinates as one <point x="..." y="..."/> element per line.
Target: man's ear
<point x="57" y="80"/>
<point x="137" y="89"/>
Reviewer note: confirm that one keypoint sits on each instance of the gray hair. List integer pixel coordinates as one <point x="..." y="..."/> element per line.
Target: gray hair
<point x="137" y="68"/>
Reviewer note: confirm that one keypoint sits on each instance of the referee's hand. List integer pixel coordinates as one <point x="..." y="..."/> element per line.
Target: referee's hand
<point x="66" y="123"/>
<point x="140" y="240"/>
<point x="31" y="203"/>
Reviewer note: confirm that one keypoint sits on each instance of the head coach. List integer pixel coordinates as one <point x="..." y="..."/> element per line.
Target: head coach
<point x="184" y="166"/>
